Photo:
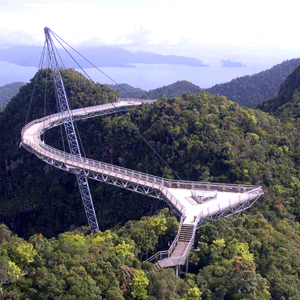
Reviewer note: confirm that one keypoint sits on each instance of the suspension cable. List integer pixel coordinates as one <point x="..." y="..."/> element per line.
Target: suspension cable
<point x="35" y="83"/>
<point x="138" y="132"/>
<point x="75" y="125"/>
<point x="45" y="96"/>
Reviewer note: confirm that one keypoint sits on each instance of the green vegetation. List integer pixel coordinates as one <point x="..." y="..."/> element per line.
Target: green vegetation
<point x="7" y="92"/>
<point x="127" y="91"/>
<point x="176" y="89"/>
<point x="77" y="265"/>
<point x="286" y="103"/>
<point x="202" y="137"/>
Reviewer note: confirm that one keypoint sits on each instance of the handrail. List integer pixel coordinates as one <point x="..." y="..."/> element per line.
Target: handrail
<point x="190" y="244"/>
<point x="87" y="164"/>
<point x="168" y="183"/>
<point x="167" y="253"/>
<point x="173" y="245"/>
<point x="161" y="185"/>
<point x="229" y="203"/>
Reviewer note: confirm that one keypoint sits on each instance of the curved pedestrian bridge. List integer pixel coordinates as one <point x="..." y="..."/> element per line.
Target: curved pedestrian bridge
<point x="193" y="201"/>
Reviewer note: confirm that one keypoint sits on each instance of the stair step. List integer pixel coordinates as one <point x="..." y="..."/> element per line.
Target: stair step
<point x="178" y="256"/>
<point x="186" y="233"/>
<point x="156" y="267"/>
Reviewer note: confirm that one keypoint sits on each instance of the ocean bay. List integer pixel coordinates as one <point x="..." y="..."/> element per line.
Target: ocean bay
<point x="148" y="76"/>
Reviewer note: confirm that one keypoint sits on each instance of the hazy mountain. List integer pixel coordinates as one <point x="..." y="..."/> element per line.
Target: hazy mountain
<point x="7" y="92"/>
<point x="250" y="90"/>
<point x="101" y="56"/>
<point x="127" y="91"/>
<point x="246" y="90"/>
<point x="176" y="89"/>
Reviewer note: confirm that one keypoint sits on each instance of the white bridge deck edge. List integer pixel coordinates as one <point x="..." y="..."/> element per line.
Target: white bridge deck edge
<point x="30" y="139"/>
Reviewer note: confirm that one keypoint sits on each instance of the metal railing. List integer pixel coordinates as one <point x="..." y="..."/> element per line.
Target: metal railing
<point x="160" y="184"/>
<point x="167" y="253"/>
<point x="180" y="260"/>
<point x="136" y="177"/>
<point x="125" y="174"/>
<point x="217" y="207"/>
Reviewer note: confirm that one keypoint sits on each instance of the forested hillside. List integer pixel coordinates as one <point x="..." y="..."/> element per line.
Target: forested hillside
<point x="7" y="92"/>
<point x="176" y="89"/>
<point x="201" y="136"/>
<point x="251" y="90"/>
<point x="127" y="91"/>
<point x="286" y="103"/>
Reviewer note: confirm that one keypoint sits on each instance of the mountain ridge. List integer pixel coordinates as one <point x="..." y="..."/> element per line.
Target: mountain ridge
<point x="286" y="104"/>
<point x="247" y="90"/>
<point x="7" y="92"/>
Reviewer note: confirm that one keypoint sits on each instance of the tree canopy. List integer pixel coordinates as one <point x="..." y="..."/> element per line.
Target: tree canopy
<point x="201" y="136"/>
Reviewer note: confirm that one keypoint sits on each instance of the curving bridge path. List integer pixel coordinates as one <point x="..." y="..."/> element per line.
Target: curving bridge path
<point x="193" y="201"/>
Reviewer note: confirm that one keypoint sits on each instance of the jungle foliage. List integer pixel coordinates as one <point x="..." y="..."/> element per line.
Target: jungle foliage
<point x="202" y="137"/>
<point x="176" y="89"/>
<point x="286" y="103"/>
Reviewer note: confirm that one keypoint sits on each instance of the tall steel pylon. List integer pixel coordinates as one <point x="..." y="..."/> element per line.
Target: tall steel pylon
<point x="64" y="107"/>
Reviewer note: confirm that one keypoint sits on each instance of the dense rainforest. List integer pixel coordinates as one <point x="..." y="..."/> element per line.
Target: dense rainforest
<point x="47" y="253"/>
<point x="286" y="103"/>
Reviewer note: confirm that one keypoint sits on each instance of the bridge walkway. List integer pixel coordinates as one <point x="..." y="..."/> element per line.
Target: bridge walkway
<point x="193" y="201"/>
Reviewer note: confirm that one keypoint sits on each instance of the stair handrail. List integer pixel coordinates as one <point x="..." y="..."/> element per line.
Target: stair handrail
<point x="173" y="245"/>
<point x="190" y="244"/>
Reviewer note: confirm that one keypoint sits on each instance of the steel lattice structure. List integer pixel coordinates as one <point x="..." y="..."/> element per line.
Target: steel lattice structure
<point x="229" y="199"/>
<point x="64" y="106"/>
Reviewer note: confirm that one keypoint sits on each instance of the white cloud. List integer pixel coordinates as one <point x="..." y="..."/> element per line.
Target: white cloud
<point x="233" y="22"/>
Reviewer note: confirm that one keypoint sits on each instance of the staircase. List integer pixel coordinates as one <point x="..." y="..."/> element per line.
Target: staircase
<point x="179" y="250"/>
<point x="186" y="233"/>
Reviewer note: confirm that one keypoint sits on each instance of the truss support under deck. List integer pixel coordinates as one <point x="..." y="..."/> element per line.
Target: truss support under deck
<point x="64" y="107"/>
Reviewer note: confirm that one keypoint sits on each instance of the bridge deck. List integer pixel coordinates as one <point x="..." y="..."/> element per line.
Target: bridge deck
<point x="222" y="201"/>
<point x="181" y="195"/>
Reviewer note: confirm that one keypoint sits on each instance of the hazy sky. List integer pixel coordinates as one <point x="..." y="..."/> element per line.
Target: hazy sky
<point x="234" y="29"/>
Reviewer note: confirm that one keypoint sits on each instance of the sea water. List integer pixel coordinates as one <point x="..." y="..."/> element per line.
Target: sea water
<point x="147" y="76"/>
<point x="152" y="76"/>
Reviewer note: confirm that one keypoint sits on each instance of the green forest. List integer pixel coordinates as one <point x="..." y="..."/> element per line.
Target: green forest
<point x="47" y="252"/>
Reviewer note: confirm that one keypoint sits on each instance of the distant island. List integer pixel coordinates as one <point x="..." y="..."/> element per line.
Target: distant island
<point x="102" y="56"/>
<point x="231" y="64"/>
